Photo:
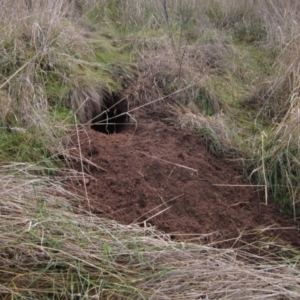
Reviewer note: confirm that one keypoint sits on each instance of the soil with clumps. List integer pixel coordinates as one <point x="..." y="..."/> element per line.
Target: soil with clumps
<point x="155" y="174"/>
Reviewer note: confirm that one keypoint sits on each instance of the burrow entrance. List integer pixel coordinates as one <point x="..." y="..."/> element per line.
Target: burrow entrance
<point x="113" y="117"/>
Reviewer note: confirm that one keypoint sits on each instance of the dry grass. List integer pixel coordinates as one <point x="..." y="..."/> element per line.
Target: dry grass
<point x="282" y="24"/>
<point x="60" y="52"/>
<point x="36" y="48"/>
<point x="52" y="250"/>
<point x="279" y="164"/>
<point x="53" y="53"/>
<point x="279" y="159"/>
<point x="88" y="103"/>
<point x="217" y="130"/>
<point x="164" y="71"/>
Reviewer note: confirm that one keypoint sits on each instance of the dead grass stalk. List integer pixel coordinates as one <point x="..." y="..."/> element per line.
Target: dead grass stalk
<point x="51" y="249"/>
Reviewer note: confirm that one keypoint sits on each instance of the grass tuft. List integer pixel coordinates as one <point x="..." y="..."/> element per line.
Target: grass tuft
<point x="50" y="57"/>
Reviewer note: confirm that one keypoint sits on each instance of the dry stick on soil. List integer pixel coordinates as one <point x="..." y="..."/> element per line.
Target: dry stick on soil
<point x="157" y="214"/>
<point x="81" y="164"/>
<point x="135" y="129"/>
<point x="163" y="160"/>
<point x="161" y="198"/>
<point x="85" y="160"/>
<point x="164" y="203"/>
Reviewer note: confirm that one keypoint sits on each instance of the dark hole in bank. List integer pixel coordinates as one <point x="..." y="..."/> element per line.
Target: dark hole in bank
<point x="113" y="117"/>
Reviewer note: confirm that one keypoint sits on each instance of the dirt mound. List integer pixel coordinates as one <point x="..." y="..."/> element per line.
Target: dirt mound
<point x="157" y="175"/>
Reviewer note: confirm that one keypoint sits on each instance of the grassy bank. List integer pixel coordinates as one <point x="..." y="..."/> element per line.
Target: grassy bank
<point x="228" y="70"/>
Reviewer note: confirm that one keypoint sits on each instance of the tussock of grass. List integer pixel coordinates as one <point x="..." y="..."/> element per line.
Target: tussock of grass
<point x="280" y="159"/>
<point x="50" y="57"/>
<point x="165" y="71"/>
<point x="52" y="250"/>
<point x="215" y="129"/>
<point x="277" y="162"/>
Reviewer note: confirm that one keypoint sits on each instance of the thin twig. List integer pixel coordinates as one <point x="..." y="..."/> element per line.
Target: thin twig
<point x="166" y="161"/>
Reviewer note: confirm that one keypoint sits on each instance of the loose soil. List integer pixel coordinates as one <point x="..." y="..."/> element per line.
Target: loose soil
<point x="157" y="175"/>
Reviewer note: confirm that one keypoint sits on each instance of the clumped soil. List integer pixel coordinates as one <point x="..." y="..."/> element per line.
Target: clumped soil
<point x="157" y="175"/>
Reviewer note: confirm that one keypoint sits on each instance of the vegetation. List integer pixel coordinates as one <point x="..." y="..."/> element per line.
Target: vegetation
<point x="52" y="250"/>
<point x="228" y="68"/>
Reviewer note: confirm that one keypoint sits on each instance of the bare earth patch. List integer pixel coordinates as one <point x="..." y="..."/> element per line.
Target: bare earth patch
<point x="158" y="175"/>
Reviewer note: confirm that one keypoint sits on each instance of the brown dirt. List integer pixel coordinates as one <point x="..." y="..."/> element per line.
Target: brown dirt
<point x="158" y="175"/>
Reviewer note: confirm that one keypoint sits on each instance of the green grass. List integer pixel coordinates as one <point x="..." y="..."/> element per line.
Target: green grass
<point x="213" y="144"/>
<point x="234" y="70"/>
<point x="44" y="60"/>
<point x="22" y="146"/>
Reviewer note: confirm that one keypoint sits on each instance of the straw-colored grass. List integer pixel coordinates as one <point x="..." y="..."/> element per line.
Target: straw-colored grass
<point x="51" y="249"/>
<point x="55" y="57"/>
<point x="216" y="129"/>
<point x="277" y="150"/>
<point x="232" y="68"/>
